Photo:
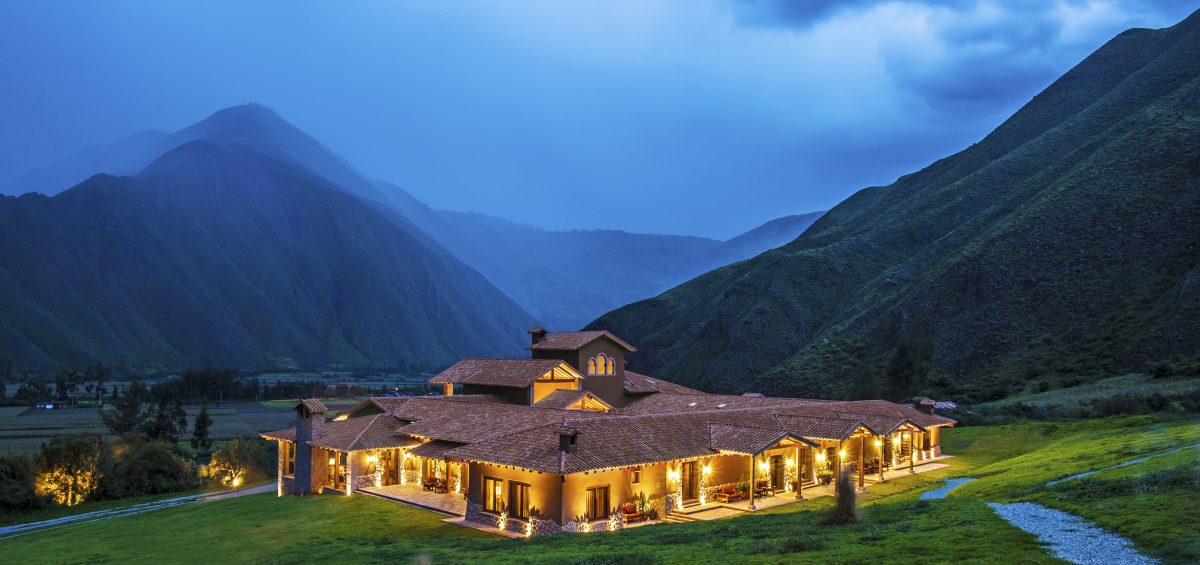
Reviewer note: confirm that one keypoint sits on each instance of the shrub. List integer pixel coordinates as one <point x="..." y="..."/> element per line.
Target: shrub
<point x="846" y="509"/>
<point x="16" y="484"/>
<point x="67" y="468"/>
<point x="241" y="461"/>
<point x="149" y="467"/>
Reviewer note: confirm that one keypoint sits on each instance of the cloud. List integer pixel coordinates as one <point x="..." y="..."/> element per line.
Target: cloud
<point x="959" y="56"/>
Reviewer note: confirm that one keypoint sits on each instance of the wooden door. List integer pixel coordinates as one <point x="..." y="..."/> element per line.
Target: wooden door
<point x="690" y="481"/>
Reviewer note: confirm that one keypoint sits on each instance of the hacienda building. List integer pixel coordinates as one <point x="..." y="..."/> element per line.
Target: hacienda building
<point x="571" y="440"/>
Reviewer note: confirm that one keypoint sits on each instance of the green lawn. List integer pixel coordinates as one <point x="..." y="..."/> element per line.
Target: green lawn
<point x="1012" y="462"/>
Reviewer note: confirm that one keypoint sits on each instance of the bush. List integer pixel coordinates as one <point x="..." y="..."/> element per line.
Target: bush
<point x="846" y="509"/>
<point x="148" y="467"/>
<point x="242" y="461"/>
<point x="67" y="468"/>
<point x="16" y="484"/>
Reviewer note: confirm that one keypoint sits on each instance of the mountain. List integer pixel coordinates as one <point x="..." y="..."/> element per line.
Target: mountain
<point x="1061" y="246"/>
<point x="770" y="235"/>
<point x="254" y="126"/>
<point x="218" y="254"/>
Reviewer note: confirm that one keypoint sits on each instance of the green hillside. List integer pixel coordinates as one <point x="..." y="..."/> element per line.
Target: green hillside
<point x="1064" y="244"/>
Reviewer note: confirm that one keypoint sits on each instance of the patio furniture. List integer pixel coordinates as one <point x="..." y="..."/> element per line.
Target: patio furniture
<point x="630" y="512"/>
<point x="764" y="487"/>
<point x="440" y="486"/>
<point x="728" y="494"/>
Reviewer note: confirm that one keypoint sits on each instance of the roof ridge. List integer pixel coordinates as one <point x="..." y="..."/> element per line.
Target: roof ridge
<point x="364" y="429"/>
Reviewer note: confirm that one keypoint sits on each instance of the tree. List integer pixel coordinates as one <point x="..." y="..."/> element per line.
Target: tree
<point x="237" y="461"/>
<point x="200" y="439"/>
<point x="99" y="373"/>
<point x="167" y="422"/>
<point x="16" y="484"/>
<point x="908" y="367"/>
<point x="67" y="468"/>
<point x="127" y="412"/>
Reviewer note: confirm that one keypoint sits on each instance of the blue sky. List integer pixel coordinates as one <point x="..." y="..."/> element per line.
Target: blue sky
<point x="702" y="117"/>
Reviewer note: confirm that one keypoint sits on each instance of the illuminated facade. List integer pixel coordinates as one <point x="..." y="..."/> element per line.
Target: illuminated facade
<point x="569" y="439"/>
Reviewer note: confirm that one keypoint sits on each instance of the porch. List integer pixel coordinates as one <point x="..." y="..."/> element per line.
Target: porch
<point x="718" y="510"/>
<point x="451" y="503"/>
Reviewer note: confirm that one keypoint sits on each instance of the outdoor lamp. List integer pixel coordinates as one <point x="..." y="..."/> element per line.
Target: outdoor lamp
<point x="842" y="454"/>
<point x="707" y="469"/>
<point x="878" y="443"/>
<point x="821" y="456"/>
<point x="332" y="461"/>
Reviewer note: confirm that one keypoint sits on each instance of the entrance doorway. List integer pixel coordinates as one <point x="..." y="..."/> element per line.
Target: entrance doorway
<point x="690" y="481"/>
<point x="778" y="472"/>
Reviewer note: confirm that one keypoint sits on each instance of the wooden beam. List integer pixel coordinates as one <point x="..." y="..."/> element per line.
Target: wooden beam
<point x="799" y="474"/>
<point x="911" y="452"/>
<point x="882" y="446"/>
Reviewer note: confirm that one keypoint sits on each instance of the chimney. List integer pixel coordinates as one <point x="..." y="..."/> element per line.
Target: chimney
<point x="924" y="404"/>
<point x="566" y="440"/>
<point x="536" y="335"/>
<point x="310" y="425"/>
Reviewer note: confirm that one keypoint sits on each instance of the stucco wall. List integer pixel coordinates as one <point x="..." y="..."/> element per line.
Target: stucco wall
<point x="545" y="489"/>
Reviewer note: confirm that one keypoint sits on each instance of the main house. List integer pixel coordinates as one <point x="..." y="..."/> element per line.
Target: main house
<point x="570" y="439"/>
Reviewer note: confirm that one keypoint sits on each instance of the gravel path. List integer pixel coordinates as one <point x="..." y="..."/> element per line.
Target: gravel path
<point x="947" y="486"/>
<point x="1070" y="537"/>
<point x="25" y="529"/>
<point x="1125" y="464"/>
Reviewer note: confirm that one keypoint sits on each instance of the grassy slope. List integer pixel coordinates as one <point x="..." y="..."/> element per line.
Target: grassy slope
<point x="1012" y="462"/>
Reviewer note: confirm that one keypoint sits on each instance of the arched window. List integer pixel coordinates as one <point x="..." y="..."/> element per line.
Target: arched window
<point x="601" y="364"/>
<point x="612" y="366"/>
<point x="592" y="366"/>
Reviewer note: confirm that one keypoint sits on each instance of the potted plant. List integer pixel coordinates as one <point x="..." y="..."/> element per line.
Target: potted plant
<point x="825" y="475"/>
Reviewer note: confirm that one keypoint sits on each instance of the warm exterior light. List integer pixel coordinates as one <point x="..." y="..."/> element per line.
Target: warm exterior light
<point x="529" y="528"/>
<point x="821" y="456"/>
<point x="235" y="482"/>
<point x="585" y="527"/>
<point x="706" y="470"/>
<point x="332" y="461"/>
<point x="878" y="443"/>
<point x="896" y="440"/>
<point x="762" y="465"/>
<point x="673" y="475"/>
<point x="791" y="463"/>
<point x="370" y="459"/>
<point x="842" y="454"/>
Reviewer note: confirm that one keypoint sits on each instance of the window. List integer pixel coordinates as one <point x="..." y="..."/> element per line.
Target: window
<point x="289" y="457"/>
<point x="518" y="499"/>
<point x="597" y="503"/>
<point x="493" y="494"/>
<point x="602" y="364"/>
<point x="635" y="476"/>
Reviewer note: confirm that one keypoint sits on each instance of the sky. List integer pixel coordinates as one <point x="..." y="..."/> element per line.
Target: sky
<point x="701" y="117"/>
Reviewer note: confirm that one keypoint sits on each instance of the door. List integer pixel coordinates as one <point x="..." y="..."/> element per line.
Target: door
<point x="778" y="472"/>
<point x="689" y="481"/>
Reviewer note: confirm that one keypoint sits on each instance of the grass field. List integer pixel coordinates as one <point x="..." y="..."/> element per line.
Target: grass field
<point x="1012" y="462"/>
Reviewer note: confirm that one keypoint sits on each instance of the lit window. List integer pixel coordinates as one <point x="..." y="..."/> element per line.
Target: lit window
<point x="592" y="366"/>
<point x="518" y="499"/>
<point x="597" y="503"/>
<point x="493" y="494"/>
<point x="635" y="477"/>
<point x="612" y="366"/>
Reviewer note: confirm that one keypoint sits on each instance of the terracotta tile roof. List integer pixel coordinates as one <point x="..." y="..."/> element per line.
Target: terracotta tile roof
<point x="465" y="422"/>
<point x="434" y="449"/>
<point x="516" y="373"/>
<point x="818" y="427"/>
<point x="747" y="440"/>
<point x="312" y="405"/>
<point x="368" y="432"/>
<point x="563" y="399"/>
<point x="673" y="403"/>
<point x="478" y="398"/>
<point x="288" y="434"/>
<point x="571" y="341"/>
<point x="636" y="383"/>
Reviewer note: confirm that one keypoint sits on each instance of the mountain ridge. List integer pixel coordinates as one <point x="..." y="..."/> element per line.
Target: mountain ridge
<point x="985" y="254"/>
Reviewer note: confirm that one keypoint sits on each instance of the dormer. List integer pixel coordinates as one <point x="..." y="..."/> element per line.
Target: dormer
<point x="598" y="355"/>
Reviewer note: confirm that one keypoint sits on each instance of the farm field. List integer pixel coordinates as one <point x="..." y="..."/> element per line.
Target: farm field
<point x="1011" y="462"/>
<point x="25" y="429"/>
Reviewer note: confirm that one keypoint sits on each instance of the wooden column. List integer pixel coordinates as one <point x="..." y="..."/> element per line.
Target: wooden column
<point x="862" y="454"/>
<point x="799" y="475"/>
<point x="752" y="479"/>
<point x="882" y="446"/>
<point x="911" y="452"/>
